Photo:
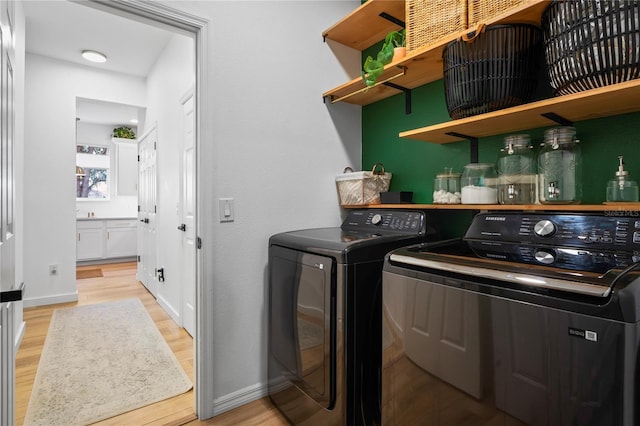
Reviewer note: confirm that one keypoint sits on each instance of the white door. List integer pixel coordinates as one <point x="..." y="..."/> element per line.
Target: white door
<point x="187" y="216"/>
<point x="7" y="238"/>
<point x="147" y="206"/>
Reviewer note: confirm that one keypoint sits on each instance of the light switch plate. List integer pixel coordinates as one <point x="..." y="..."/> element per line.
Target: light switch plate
<point x="226" y="209"/>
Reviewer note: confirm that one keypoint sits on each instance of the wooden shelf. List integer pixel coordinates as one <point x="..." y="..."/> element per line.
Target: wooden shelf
<point x="606" y="101"/>
<point x="616" y="207"/>
<point x="364" y="27"/>
<point x="424" y="65"/>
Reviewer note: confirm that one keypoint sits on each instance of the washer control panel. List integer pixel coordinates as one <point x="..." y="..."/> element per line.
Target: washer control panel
<point x="582" y="230"/>
<point x="374" y="220"/>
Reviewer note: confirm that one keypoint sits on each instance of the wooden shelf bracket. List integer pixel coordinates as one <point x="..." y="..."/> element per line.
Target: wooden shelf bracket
<point x="557" y="118"/>
<point x="473" y="145"/>
<point x="393" y="19"/>
<point x="407" y="95"/>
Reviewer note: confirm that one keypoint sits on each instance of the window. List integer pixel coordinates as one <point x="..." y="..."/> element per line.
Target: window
<point x="92" y="172"/>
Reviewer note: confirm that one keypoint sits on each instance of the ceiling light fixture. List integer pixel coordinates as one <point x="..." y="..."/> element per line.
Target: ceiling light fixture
<point x="93" y="56"/>
<point x="133" y="121"/>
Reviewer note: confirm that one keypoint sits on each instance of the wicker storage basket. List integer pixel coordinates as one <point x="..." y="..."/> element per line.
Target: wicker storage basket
<point x="481" y="10"/>
<point x="591" y="43"/>
<point x="359" y="188"/>
<point x="495" y="69"/>
<point x="428" y="21"/>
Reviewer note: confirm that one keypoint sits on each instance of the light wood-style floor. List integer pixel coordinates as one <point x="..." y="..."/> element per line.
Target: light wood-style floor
<point x="119" y="282"/>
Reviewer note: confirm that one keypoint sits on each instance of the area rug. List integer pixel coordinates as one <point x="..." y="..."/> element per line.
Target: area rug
<point x="99" y="361"/>
<point x="89" y="273"/>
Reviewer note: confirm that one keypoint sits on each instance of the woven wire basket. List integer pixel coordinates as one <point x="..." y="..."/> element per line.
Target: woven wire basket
<point x="591" y="43"/>
<point x="495" y="69"/>
<point x="428" y="21"/>
<point x="481" y="10"/>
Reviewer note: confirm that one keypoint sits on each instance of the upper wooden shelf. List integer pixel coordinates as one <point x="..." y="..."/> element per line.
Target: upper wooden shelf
<point x="605" y="101"/>
<point x="364" y="27"/>
<point x="617" y="207"/>
<point x="421" y="66"/>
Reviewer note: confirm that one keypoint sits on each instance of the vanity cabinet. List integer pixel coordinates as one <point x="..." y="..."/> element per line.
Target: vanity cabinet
<point x="89" y="240"/>
<point x="103" y="239"/>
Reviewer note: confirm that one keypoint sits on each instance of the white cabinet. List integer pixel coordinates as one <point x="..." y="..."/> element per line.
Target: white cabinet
<point x="126" y="166"/>
<point x="121" y="238"/>
<point x="90" y="239"/>
<point x="106" y="239"/>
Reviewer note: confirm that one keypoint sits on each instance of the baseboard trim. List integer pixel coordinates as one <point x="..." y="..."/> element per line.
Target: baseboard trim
<point x="50" y="300"/>
<point x="239" y="398"/>
<point x="175" y="315"/>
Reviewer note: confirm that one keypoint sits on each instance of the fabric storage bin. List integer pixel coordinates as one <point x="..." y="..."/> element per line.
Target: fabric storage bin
<point x="481" y="10"/>
<point x="591" y="43"/>
<point x="360" y="188"/>
<point x="495" y="68"/>
<point x="428" y="21"/>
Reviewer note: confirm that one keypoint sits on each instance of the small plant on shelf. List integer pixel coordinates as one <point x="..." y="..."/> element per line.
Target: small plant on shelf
<point x="124" y="132"/>
<point x="373" y="68"/>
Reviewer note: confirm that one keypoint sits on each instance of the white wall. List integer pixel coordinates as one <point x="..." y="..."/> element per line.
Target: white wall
<point x="118" y="205"/>
<point x="270" y="143"/>
<point x="170" y="78"/>
<point x="51" y="88"/>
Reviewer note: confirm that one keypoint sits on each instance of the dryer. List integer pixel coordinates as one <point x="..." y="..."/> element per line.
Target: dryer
<point x="325" y="315"/>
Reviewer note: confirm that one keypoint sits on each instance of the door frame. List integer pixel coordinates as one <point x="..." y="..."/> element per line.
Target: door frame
<point x="158" y="14"/>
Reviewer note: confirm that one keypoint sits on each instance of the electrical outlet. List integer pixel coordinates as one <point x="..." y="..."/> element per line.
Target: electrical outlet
<point x="53" y="269"/>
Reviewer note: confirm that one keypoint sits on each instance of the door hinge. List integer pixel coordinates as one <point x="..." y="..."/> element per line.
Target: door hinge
<point x="138" y="258"/>
<point x="198" y="243"/>
<point x="155" y="209"/>
<point x="138" y="158"/>
<point x="138" y="208"/>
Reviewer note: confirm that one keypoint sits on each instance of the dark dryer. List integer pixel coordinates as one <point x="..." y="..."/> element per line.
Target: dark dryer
<point x="325" y="316"/>
<point x="531" y="319"/>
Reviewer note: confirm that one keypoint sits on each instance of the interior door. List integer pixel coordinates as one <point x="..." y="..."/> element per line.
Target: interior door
<point x="7" y="237"/>
<point x="147" y="209"/>
<point x="187" y="209"/>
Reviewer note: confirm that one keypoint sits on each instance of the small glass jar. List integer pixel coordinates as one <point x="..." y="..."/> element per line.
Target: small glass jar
<point x="516" y="171"/>
<point x="622" y="188"/>
<point x="478" y="183"/>
<point x="560" y="167"/>
<point x="446" y="187"/>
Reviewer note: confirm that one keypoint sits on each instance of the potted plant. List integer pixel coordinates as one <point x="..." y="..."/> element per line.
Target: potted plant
<point x="373" y="68"/>
<point x="124" y="132"/>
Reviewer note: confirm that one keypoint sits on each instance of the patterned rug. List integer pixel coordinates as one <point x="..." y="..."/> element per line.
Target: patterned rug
<point x="100" y="361"/>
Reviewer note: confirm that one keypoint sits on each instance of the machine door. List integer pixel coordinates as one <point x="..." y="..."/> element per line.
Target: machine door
<point x="303" y="322"/>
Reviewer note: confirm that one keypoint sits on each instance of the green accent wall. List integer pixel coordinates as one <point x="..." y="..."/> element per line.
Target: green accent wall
<point x="414" y="163"/>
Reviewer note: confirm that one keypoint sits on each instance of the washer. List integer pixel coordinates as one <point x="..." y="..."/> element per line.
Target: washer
<point x="532" y="318"/>
<point x="324" y="315"/>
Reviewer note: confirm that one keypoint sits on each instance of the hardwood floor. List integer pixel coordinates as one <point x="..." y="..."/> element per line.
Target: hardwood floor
<point x="119" y="282"/>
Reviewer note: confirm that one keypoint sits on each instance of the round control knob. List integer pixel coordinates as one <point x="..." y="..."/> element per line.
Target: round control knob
<point x="544" y="228"/>
<point x="545" y="257"/>
<point x="376" y="219"/>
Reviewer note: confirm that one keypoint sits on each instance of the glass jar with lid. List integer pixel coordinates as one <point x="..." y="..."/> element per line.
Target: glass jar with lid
<point x="559" y="165"/>
<point x="478" y="183"/>
<point x="446" y="187"/>
<point x="516" y="171"/>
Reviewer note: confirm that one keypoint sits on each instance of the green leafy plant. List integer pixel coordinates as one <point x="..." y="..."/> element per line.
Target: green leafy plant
<point x="373" y="68"/>
<point x="124" y="132"/>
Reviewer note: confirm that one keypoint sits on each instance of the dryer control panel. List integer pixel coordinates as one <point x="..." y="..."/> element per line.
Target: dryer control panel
<point x="401" y="221"/>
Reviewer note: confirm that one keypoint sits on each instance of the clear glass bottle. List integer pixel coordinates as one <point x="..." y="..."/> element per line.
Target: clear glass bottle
<point x="478" y="183"/>
<point x="516" y="171"/>
<point x="446" y="187"/>
<point x="621" y="187"/>
<point x="560" y="167"/>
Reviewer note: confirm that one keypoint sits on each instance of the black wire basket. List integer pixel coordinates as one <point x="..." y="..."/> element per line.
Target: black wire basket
<point x="496" y="68"/>
<point x="591" y="43"/>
